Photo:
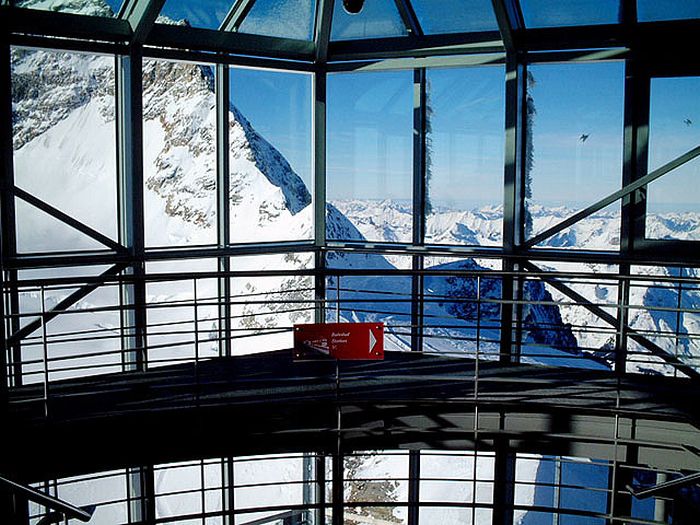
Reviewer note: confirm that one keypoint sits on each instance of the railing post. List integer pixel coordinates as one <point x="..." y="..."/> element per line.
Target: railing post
<point x="45" y="350"/>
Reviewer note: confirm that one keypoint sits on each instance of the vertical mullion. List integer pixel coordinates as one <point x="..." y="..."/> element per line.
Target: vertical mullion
<point x="228" y="483"/>
<point x="129" y="117"/>
<point x="223" y="190"/>
<point x="131" y="202"/>
<point x="413" y="487"/>
<point x="419" y="202"/>
<point x="223" y="205"/>
<point x="513" y="201"/>
<point x="338" y="484"/>
<point x="12" y="357"/>
<point x="503" y="484"/>
<point x="141" y="494"/>
<point x="319" y="194"/>
<point x="632" y="226"/>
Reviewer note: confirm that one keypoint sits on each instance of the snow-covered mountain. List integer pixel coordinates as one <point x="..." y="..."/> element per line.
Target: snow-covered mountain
<point x="653" y="303"/>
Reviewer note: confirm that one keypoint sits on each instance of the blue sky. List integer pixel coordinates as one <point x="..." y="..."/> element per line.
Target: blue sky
<point x="278" y="105"/>
<point x="370" y="125"/>
<point x="574" y="100"/>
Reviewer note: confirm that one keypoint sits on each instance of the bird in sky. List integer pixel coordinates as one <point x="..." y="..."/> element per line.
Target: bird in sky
<point x="688" y="122"/>
<point x="584" y="137"/>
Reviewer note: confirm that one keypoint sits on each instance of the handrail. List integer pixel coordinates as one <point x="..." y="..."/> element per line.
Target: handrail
<point x="83" y="514"/>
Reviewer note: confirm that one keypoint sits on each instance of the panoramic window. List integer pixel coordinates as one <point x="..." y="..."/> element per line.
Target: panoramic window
<point x="281" y="18"/>
<point x="651" y="10"/>
<point x="182" y="314"/>
<point x="545" y="13"/>
<point x="465" y="155"/>
<point x="64" y="140"/>
<point x="264" y="308"/>
<point x="462" y="310"/>
<point x="207" y="14"/>
<point x="108" y="8"/>
<point x="179" y="153"/>
<point x="574" y="151"/>
<point x="82" y="339"/>
<point x="370" y="159"/>
<point x="673" y="201"/>
<point x="465" y="16"/>
<point x="378" y="18"/>
<point x="464" y="479"/>
<point x="270" y="154"/>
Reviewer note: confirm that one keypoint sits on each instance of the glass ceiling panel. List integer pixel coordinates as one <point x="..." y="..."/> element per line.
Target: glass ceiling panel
<point x="281" y="18"/>
<point x="207" y="14"/>
<point x="546" y="13"/>
<point x="108" y="8"/>
<point x="653" y="10"/>
<point x="378" y="18"/>
<point x="455" y="16"/>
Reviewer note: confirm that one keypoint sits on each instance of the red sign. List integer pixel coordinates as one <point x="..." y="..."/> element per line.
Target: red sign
<point x="339" y="340"/>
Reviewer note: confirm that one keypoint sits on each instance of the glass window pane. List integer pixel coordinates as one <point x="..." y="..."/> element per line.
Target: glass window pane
<point x="378" y="18"/>
<point x="171" y="313"/>
<point x="270" y="156"/>
<point x="461" y="312"/>
<point x="179" y="153"/>
<point x="673" y="201"/>
<point x="286" y="19"/>
<point x="64" y="138"/>
<point x="265" y="308"/>
<point x="545" y="13"/>
<point x="108" y="8"/>
<point x="376" y="479"/>
<point x="560" y="331"/>
<point x="370" y="144"/>
<point x="207" y="14"/>
<point x="651" y="10"/>
<point x="83" y="340"/>
<point x="574" y="158"/>
<point x="464" y="16"/>
<point x="267" y="481"/>
<point x="465" y="156"/>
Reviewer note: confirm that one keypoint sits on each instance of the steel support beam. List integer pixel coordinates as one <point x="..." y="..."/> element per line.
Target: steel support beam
<point x="60" y="307"/>
<point x="509" y="21"/>
<point x="503" y="485"/>
<point x="236" y="14"/>
<point x="337" y="486"/>
<point x="653" y="348"/>
<point x="141" y="15"/>
<point x="83" y="514"/>
<point x="319" y="193"/>
<point x="674" y="484"/>
<point x="421" y="198"/>
<point x="66" y="25"/>
<point x="8" y="241"/>
<point x="413" y="487"/>
<point x="141" y="494"/>
<point x="606" y="201"/>
<point x="181" y="37"/>
<point x="427" y="45"/>
<point x="513" y="202"/>
<point x="223" y="191"/>
<point x="67" y="219"/>
<point x="131" y="204"/>
<point x="409" y="18"/>
<point x="322" y="36"/>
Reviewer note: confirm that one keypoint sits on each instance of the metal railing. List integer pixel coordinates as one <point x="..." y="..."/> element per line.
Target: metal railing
<point x="571" y="319"/>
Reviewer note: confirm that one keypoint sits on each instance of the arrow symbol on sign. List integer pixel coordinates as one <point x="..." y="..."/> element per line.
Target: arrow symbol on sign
<point x="372" y="341"/>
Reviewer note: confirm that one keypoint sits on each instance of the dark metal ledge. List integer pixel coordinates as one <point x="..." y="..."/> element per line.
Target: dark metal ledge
<point x="269" y="404"/>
